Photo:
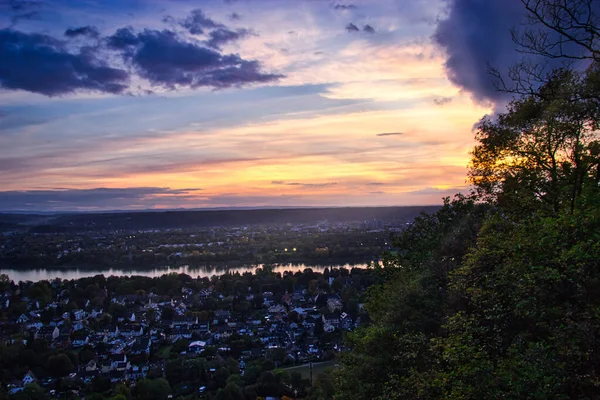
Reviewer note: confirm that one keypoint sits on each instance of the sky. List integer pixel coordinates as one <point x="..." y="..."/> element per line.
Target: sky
<point x="139" y="104"/>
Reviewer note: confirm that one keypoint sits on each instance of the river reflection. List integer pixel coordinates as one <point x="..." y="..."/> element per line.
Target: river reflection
<point x="35" y="275"/>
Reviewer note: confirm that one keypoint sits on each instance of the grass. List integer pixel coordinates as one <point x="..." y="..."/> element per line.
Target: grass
<point x="163" y="352"/>
<point x="318" y="368"/>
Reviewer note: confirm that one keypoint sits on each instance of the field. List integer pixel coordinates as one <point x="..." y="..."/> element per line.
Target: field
<point x="318" y="368"/>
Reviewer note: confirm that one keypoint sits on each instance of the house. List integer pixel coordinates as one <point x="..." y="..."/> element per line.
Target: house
<point x="49" y="333"/>
<point x="78" y="325"/>
<point x="28" y="378"/>
<point x="197" y="346"/>
<point x="221" y="316"/>
<point x="277" y="309"/>
<point x="23" y="318"/>
<point x="96" y="312"/>
<point x="201" y="327"/>
<point x="34" y="325"/>
<point x="334" y="302"/>
<point x="78" y="315"/>
<point x="131" y="330"/>
<point x="331" y="321"/>
<point x="116" y="359"/>
<point x="141" y="345"/>
<point x="181" y="320"/>
<point x="204" y="294"/>
<point x="91" y="366"/>
<point x="111" y="332"/>
<point x="80" y="339"/>
<point x="180" y="332"/>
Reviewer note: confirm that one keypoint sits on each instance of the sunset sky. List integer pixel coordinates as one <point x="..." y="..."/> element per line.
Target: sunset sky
<point x="153" y="104"/>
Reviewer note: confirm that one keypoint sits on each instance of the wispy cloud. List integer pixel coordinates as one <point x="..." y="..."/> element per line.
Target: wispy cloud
<point x="306" y="184"/>
<point x="390" y="134"/>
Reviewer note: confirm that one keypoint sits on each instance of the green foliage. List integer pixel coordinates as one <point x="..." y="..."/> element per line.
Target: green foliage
<point x="152" y="389"/>
<point x="544" y="152"/>
<point x="31" y="392"/>
<point x="60" y="365"/>
<point x="497" y="296"/>
<point x="231" y="391"/>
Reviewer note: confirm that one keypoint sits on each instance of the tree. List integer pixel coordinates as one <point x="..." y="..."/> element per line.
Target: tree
<point x="59" y="365"/>
<point x="155" y="389"/>
<point x="31" y="392"/>
<point x="544" y="151"/>
<point x="231" y="391"/>
<point x="561" y="29"/>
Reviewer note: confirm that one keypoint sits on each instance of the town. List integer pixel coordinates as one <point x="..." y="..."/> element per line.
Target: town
<point x="229" y="336"/>
<point x="220" y="247"/>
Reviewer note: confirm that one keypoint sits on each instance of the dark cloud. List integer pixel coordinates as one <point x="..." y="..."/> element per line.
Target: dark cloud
<point x="90" y="31"/>
<point x="442" y="101"/>
<point x="344" y="7"/>
<point x="28" y="16"/>
<point x="235" y="16"/>
<point x="41" y="64"/>
<point x="476" y="34"/>
<point x="352" y="28"/>
<point x="197" y="22"/>
<point x="123" y="39"/>
<point x="167" y="61"/>
<point x="21" y="5"/>
<point x="375" y="183"/>
<point x="71" y="199"/>
<point x="368" y="29"/>
<point x="390" y="134"/>
<point x="221" y="36"/>
<point x="303" y="184"/>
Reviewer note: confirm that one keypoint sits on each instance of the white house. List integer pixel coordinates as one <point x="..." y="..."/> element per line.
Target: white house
<point x="28" y="378"/>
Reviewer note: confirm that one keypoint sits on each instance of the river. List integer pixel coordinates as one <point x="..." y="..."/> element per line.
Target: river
<point x="35" y="275"/>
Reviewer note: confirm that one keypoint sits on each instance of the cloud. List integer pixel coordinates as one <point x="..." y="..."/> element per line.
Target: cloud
<point x="221" y="36"/>
<point x="235" y="16"/>
<point x="305" y="185"/>
<point x="167" y="61"/>
<point x="375" y="183"/>
<point x="90" y="31"/>
<point x="390" y="134"/>
<point x="71" y="199"/>
<point x="344" y="7"/>
<point x="352" y="28"/>
<point x="368" y="29"/>
<point x="28" y="16"/>
<point x="442" y="101"/>
<point x="41" y="64"/>
<point x="22" y="5"/>
<point x="474" y="35"/>
<point x="197" y="22"/>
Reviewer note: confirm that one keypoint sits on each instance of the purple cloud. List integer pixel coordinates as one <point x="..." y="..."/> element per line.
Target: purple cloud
<point x="221" y="36"/>
<point x="344" y="7"/>
<point x="368" y="29"/>
<point x="90" y="31"/>
<point x="197" y="22"/>
<point x="352" y="28"/>
<point x="167" y="61"/>
<point x="41" y="64"/>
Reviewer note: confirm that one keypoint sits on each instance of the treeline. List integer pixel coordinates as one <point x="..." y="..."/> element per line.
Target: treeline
<point x="497" y="295"/>
<point x="207" y="218"/>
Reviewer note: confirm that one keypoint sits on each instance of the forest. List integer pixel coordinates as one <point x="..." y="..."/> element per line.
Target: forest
<point x="497" y="295"/>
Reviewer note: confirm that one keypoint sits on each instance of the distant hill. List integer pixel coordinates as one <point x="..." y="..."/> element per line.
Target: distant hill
<point x="206" y="218"/>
